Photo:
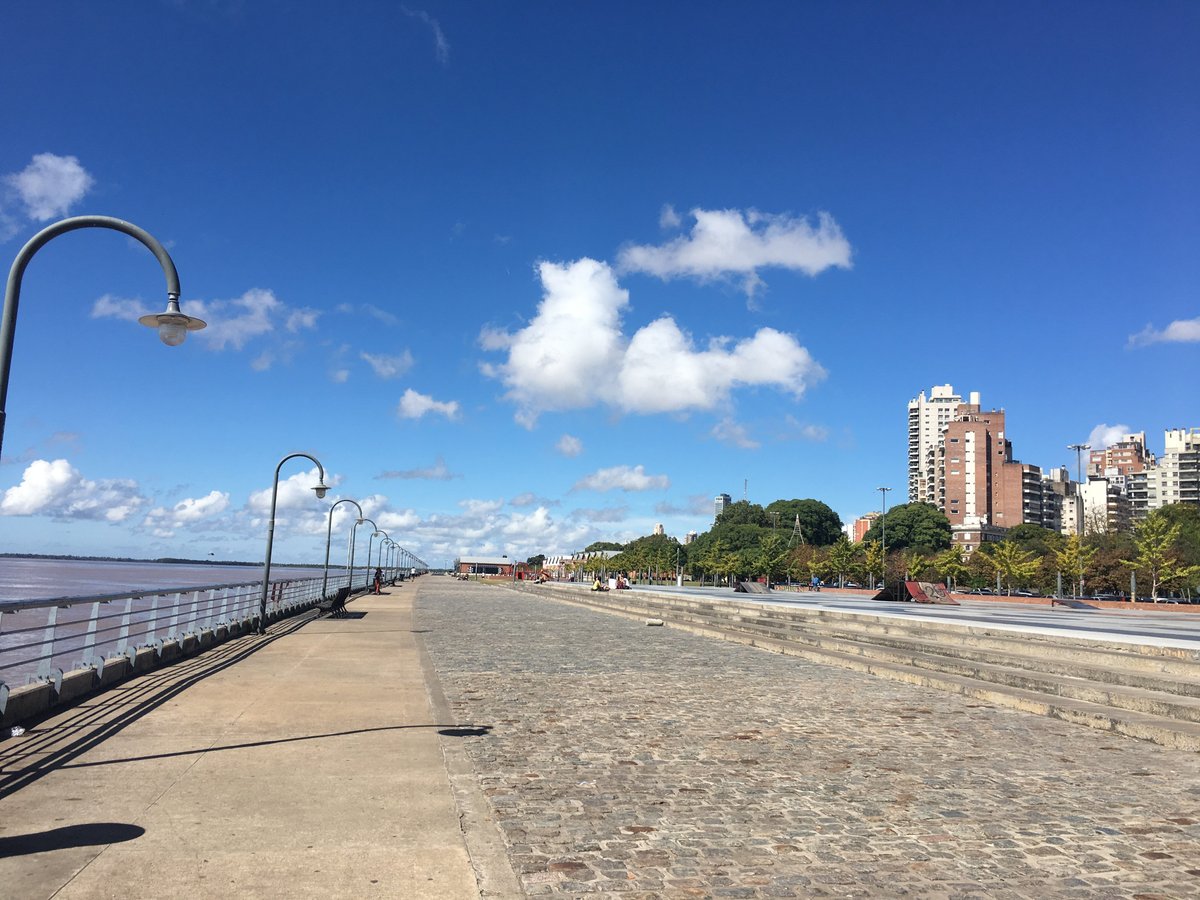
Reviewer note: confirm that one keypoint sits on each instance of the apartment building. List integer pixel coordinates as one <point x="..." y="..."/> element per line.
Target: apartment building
<point x="1125" y="457"/>
<point x="927" y="422"/>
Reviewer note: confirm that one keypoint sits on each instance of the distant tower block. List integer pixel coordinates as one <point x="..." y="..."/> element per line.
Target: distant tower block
<point x="721" y="503"/>
<point x="659" y="529"/>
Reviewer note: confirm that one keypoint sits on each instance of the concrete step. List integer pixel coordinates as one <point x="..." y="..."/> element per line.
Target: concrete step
<point x="1155" y="668"/>
<point x="1159" y="716"/>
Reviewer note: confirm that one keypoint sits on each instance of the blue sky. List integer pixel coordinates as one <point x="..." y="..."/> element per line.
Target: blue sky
<point x="527" y="275"/>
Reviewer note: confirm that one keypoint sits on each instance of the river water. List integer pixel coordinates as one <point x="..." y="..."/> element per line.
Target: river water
<point x="34" y="579"/>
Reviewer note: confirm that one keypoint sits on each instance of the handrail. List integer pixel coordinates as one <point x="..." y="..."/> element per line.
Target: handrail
<point x="38" y="642"/>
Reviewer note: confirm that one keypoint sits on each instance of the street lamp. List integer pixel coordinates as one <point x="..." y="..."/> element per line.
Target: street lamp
<point x="319" y="489"/>
<point x="329" y="536"/>
<point x="382" y="533"/>
<point x="172" y="324"/>
<point x="353" y="535"/>
<point x="883" y="535"/>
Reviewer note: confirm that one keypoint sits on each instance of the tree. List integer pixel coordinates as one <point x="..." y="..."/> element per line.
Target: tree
<point x="873" y="559"/>
<point x="770" y="556"/>
<point x="919" y="525"/>
<point x="950" y="567"/>
<point x="537" y="561"/>
<point x="843" y="558"/>
<point x="743" y="513"/>
<point x="1155" y="538"/>
<point x="819" y="525"/>
<point x="1075" y="560"/>
<point x="915" y="563"/>
<point x="1011" y="562"/>
<point x="602" y="545"/>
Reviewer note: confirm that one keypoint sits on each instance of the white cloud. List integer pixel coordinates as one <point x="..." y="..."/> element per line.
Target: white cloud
<point x="622" y="478"/>
<point x="388" y="366"/>
<point x="574" y="354"/>
<point x="188" y="511"/>
<point x="477" y="507"/>
<point x="231" y="323"/>
<point x="1181" y="331"/>
<point x="50" y="185"/>
<point x="531" y="499"/>
<point x="57" y="489"/>
<point x="728" y="431"/>
<point x="436" y="472"/>
<point x="414" y="406"/>
<point x="697" y="505"/>
<point x="295" y="492"/>
<point x="608" y="514"/>
<point x="234" y="322"/>
<point x="441" y="45"/>
<point x="301" y="319"/>
<point x="129" y="310"/>
<point x="339" y="376"/>
<point x="669" y="219"/>
<point x="569" y="445"/>
<point x="728" y="242"/>
<point x="1106" y="435"/>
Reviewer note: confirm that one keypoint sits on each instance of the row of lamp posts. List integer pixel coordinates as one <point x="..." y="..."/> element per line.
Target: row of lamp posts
<point x="173" y="326"/>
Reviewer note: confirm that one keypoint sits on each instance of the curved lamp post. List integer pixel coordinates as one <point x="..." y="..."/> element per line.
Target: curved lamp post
<point x="329" y="536"/>
<point x="320" y="488"/>
<point x="392" y="545"/>
<point x="172" y="324"/>
<point x="369" y="542"/>
<point x="353" y="534"/>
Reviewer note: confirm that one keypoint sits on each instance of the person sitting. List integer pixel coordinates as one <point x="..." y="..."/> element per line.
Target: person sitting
<point x="598" y="586"/>
<point x="622" y="584"/>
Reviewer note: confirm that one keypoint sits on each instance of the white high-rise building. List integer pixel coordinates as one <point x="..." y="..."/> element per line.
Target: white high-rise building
<point x="927" y="421"/>
<point x="720" y="504"/>
<point x="1176" y="478"/>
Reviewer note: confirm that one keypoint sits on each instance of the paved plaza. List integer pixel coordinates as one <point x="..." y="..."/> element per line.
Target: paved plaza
<point x="639" y="761"/>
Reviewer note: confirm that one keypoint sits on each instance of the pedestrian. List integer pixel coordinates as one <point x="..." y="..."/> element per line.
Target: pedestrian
<point x="378" y="580"/>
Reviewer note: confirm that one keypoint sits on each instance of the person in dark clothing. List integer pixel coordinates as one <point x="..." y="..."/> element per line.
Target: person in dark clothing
<point x="378" y="580"/>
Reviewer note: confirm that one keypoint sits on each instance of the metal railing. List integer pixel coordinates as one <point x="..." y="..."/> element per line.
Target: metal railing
<point x="42" y="639"/>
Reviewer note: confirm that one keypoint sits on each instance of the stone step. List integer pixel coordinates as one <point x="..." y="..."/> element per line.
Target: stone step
<point x="1147" y="714"/>
<point x="1163" y="668"/>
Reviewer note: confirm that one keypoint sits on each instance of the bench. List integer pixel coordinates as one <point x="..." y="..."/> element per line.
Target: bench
<point x="335" y="605"/>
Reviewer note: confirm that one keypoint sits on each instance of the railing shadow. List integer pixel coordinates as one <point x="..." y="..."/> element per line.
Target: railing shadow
<point x="94" y="721"/>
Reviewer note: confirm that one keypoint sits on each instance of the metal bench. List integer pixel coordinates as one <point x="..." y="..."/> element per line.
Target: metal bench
<point x="335" y="605"/>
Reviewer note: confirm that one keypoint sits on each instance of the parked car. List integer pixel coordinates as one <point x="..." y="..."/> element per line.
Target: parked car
<point x="852" y="584"/>
<point x="1024" y="594"/>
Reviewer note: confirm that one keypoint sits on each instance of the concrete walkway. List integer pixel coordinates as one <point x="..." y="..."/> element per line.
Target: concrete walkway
<point x="307" y="762"/>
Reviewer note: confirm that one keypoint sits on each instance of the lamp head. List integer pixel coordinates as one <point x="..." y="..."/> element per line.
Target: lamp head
<point x="172" y="324"/>
<point x="320" y="490"/>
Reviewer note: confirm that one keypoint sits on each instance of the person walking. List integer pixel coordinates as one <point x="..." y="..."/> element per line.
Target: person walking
<point x="378" y="581"/>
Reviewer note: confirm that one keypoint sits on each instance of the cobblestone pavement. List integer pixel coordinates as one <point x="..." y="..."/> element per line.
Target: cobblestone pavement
<point x="635" y="761"/>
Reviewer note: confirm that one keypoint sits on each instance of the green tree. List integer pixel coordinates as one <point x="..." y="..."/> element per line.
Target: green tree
<point x="769" y="559"/>
<point x="537" y="561"/>
<point x="919" y="525"/>
<point x="1154" y="539"/>
<point x="819" y="525"/>
<point x="1075" y="560"/>
<point x="950" y="567"/>
<point x="915" y="564"/>
<point x="873" y="559"/>
<point x="602" y="545"/>
<point x="844" y="557"/>
<point x="743" y="512"/>
<point x="1011" y="562"/>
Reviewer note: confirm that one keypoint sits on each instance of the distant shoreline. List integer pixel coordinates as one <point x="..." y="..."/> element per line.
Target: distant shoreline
<point x="164" y="560"/>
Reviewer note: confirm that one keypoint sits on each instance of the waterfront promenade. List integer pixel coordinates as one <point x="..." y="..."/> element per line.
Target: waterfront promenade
<point x="461" y="740"/>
